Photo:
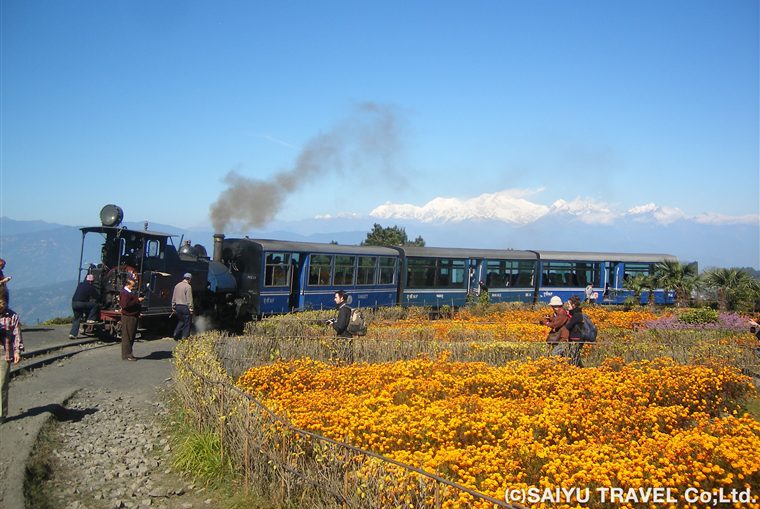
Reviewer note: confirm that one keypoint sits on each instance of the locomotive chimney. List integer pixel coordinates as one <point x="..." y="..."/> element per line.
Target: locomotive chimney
<point x="218" y="238"/>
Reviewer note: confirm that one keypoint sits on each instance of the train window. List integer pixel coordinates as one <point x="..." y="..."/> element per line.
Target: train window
<point x="152" y="249"/>
<point x="498" y="273"/>
<point x="524" y="275"/>
<point x="319" y="270"/>
<point x="420" y="273"/>
<point x="571" y="274"/>
<point x="387" y="270"/>
<point x="588" y="273"/>
<point x="344" y="270"/>
<point x="366" y="272"/>
<point x="450" y="273"/>
<point x="632" y="270"/>
<point x="559" y="274"/>
<point x="277" y="269"/>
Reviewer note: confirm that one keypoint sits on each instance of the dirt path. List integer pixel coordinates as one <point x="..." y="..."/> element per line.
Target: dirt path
<point x="107" y="423"/>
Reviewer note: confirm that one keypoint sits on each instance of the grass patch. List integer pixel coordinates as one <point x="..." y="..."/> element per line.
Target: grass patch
<point x="198" y="454"/>
<point x="61" y="320"/>
<point x="753" y="407"/>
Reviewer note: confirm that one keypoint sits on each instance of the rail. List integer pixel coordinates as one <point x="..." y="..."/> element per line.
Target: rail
<point x="34" y="359"/>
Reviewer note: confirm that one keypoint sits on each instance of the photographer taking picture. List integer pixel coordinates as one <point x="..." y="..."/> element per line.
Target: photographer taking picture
<point x="345" y="350"/>
<point x="342" y="319"/>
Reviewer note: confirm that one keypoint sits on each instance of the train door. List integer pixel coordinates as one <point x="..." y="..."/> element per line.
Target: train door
<point x="472" y="277"/>
<point x="157" y="284"/>
<point x="607" y="281"/>
<point x="296" y="280"/>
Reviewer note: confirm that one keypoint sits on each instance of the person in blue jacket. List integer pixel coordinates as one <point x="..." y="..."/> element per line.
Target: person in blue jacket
<point x="84" y="302"/>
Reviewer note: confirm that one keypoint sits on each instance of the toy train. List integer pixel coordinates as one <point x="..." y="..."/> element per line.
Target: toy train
<point x="248" y="278"/>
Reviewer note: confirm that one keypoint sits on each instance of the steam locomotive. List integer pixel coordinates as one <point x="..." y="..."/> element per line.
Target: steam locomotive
<point x="246" y="278"/>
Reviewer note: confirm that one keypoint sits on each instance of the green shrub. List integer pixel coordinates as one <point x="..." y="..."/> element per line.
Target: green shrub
<point x="61" y="320"/>
<point x="699" y="316"/>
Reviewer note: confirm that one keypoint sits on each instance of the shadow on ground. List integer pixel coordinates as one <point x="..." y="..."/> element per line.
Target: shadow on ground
<point x="59" y="412"/>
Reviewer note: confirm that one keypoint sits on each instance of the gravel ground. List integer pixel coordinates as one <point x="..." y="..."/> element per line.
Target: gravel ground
<point x="100" y="424"/>
<point x="112" y="453"/>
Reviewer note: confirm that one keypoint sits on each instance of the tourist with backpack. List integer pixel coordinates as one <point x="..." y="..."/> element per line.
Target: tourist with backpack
<point x="575" y="328"/>
<point x="343" y="317"/>
<point x="341" y="324"/>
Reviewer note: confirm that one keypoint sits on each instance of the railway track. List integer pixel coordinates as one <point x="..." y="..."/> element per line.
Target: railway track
<point x="34" y="359"/>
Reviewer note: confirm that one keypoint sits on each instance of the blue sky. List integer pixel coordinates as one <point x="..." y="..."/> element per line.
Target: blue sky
<point x="603" y="109"/>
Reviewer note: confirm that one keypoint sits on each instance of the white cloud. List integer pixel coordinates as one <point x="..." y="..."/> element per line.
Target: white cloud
<point x="339" y="215"/>
<point x="712" y="218"/>
<point x="513" y="206"/>
<point x="585" y="210"/>
<point x="659" y="214"/>
<point x="643" y="209"/>
<point x="509" y="206"/>
<point x="668" y="215"/>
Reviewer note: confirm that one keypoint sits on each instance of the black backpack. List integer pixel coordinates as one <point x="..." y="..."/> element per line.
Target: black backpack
<point x="357" y="325"/>
<point x="588" y="330"/>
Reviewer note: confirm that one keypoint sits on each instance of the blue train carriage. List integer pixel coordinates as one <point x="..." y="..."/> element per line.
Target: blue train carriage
<point x="567" y="273"/>
<point x="439" y="276"/>
<point x="282" y="276"/>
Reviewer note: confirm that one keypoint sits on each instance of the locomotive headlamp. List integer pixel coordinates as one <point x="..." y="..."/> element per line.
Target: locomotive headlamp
<point x="111" y="215"/>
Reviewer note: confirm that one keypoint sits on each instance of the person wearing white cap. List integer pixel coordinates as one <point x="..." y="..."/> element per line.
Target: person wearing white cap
<point x="558" y="333"/>
<point x="182" y="306"/>
<point x="84" y="302"/>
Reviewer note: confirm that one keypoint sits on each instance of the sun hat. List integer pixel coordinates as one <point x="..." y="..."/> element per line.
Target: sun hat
<point x="555" y="301"/>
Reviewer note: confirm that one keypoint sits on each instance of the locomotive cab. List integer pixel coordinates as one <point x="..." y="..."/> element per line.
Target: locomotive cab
<point x="152" y="259"/>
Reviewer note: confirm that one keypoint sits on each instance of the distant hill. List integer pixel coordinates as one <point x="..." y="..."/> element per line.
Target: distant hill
<point x="41" y="257"/>
<point x="38" y="304"/>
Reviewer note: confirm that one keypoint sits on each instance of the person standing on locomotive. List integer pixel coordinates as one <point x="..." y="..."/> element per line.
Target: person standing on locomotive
<point x="84" y="302"/>
<point x="182" y="306"/>
<point x="130" y="303"/>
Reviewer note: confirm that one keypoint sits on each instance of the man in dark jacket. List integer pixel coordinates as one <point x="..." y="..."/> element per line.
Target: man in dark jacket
<point x="84" y="302"/>
<point x="340" y="324"/>
<point x="131" y="304"/>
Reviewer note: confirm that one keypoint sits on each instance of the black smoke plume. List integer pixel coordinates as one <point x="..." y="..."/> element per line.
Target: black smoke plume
<point x="367" y="141"/>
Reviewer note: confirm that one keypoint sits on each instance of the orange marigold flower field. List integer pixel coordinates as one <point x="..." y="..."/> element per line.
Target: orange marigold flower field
<point x="508" y="325"/>
<point x="540" y="424"/>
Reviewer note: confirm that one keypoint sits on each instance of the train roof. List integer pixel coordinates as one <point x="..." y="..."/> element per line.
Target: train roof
<point x="605" y="257"/>
<point x="463" y="252"/>
<point x="316" y="247"/>
<point x="122" y="230"/>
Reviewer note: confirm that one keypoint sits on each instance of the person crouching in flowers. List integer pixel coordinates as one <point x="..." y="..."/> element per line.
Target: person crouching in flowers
<point x="558" y="333"/>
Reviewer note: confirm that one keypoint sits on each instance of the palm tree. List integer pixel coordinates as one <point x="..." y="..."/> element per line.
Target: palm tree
<point x="639" y="284"/>
<point x="679" y="277"/>
<point x="735" y="288"/>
